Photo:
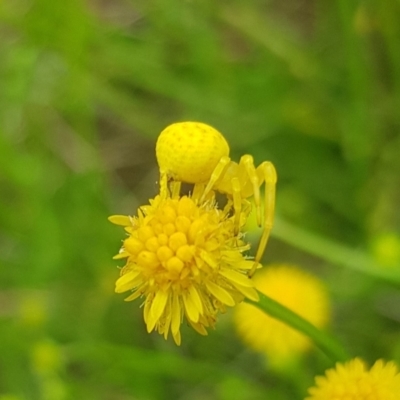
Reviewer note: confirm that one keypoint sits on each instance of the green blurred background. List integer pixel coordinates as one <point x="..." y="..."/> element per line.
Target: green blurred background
<point x="86" y="87"/>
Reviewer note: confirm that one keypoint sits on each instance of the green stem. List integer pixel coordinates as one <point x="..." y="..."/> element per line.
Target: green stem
<point x="332" y="251"/>
<point x="326" y="343"/>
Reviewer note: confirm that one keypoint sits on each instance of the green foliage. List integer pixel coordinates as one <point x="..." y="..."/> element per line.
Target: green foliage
<point x="86" y="87"/>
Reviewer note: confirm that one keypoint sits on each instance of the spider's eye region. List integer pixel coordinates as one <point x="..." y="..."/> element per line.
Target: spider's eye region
<point x="189" y="151"/>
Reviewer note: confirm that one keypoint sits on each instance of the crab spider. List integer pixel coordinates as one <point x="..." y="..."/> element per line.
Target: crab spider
<point x="196" y="153"/>
<point x="241" y="181"/>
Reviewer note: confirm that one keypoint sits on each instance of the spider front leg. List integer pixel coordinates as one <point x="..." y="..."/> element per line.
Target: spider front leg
<point x="217" y="173"/>
<point x="267" y="173"/>
<point x="252" y="182"/>
<point x="169" y="187"/>
<point x="163" y="185"/>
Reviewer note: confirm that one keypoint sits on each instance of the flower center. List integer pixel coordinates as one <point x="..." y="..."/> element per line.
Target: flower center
<point x="176" y="241"/>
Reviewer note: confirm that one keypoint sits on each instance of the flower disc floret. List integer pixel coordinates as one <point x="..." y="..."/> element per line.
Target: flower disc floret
<point x="353" y="381"/>
<point x="186" y="261"/>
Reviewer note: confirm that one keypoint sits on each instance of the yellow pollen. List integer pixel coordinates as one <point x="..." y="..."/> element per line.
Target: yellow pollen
<point x="169" y="229"/>
<point x="182" y="223"/>
<point x="177" y="240"/>
<point x="185" y="253"/>
<point x="152" y="244"/>
<point x="164" y="253"/>
<point x="145" y="232"/>
<point x="147" y="259"/>
<point x="158" y="228"/>
<point x="174" y="264"/>
<point x="168" y="215"/>
<point x="133" y="245"/>
<point x="186" y="207"/>
<point x="163" y="239"/>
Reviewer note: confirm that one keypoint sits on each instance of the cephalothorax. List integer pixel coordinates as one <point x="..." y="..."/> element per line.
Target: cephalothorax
<point x="193" y="152"/>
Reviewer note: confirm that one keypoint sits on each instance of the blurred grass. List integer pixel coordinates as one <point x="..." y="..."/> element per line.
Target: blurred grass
<point x="85" y="88"/>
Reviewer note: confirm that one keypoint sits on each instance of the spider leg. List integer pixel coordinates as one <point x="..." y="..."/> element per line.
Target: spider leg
<point x="163" y="185"/>
<point x="175" y="189"/>
<point x="248" y="163"/>
<point x="198" y="190"/>
<point x="237" y="203"/>
<point x="268" y="174"/>
<point x="218" y="172"/>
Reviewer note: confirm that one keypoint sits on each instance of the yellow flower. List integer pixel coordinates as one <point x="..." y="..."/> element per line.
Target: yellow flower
<point x="297" y="290"/>
<point x="386" y="249"/>
<point x="353" y="381"/>
<point x="46" y="357"/>
<point x="186" y="260"/>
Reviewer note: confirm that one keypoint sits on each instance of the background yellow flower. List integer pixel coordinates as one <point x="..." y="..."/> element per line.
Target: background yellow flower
<point x="296" y="289"/>
<point x="353" y="381"/>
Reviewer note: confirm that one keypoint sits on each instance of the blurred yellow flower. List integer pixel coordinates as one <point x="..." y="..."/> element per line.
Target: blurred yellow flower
<point x="46" y="357"/>
<point x="353" y="381"/>
<point x="186" y="260"/>
<point x="33" y="310"/>
<point x="386" y="249"/>
<point x="297" y="290"/>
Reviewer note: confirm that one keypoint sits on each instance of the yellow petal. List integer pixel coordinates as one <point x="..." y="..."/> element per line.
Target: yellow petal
<point x="236" y="277"/>
<point x="191" y="309"/>
<point x="123" y="254"/>
<point x="205" y="256"/>
<point x="195" y="297"/>
<point x="220" y="293"/>
<point x="250" y="293"/>
<point x="134" y="296"/>
<point x="159" y="303"/>
<point x="168" y="317"/>
<point x="175" y="314"/>
<point x="146" y="312"/>
<point x="177" y="338"/>
<point x="199" y="328"/>
<point x="128" y="281"/>
<point x="122" y="220"/>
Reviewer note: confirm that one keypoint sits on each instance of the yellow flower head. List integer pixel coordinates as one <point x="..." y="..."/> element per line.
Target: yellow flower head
<point x="186" y="261"/>
<point x="46" y="357"/>
<point x="298" y="291"/>
<point x="386" y="249"/>
<point x="353" y="381"/>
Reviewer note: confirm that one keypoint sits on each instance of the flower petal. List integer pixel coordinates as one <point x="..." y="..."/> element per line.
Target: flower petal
<point x="236" y="277"/>
<point x="122" y="220"/>
<point x="195" y="297"/>
<point x="159" y="303"/>
<point x="199" y="328"/>
<point x="134" y="295"/>
<point x="191" y="309"/>
<point x="250" y="293"/>
<point x="156" y="309"/>
<point x="176" y="314"/>
<point x="177" y="338"/>
<point x="127" y="281"/>
<point x="121" y="255"/>
<point x="220" y="293"/>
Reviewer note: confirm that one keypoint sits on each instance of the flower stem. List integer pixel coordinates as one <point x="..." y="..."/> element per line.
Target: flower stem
<point x="331" y="251"/>
<point x="326" y="343"/>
